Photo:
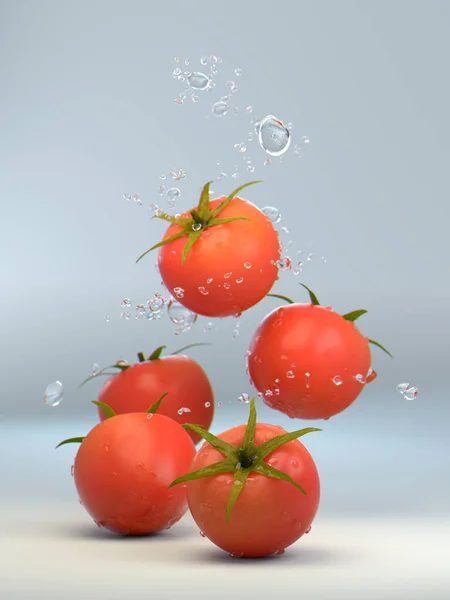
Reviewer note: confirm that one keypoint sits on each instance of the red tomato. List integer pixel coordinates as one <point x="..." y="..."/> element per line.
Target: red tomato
<point x="135" y="389"/>
<point x="308" y="361"/>
<point x="123" y="469"/>
<point x="269" y="515"/>
<point x="229" y="269"/>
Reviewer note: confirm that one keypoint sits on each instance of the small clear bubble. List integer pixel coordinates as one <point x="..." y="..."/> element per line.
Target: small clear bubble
<point x="204" y="60"/>
<point x="310" y="256"/>
<point x="173" y="193"/>
<point x="267" y="162"/>
<point x="178" y="101"/>
<point x="127" y="197"/>
<point x="107" y="319"/>
<point x="245" y="398"/>
<point x="54" y="394"/>
<point x="238" y="72"/>
<point x="126" y="302"/>
<point x="220" y="108"/>
<point x="126" y="315"/>
<point x="198" y="81"/>
<point x="161" y="190"/>
<point x="95" y="368"/>
<point x="231" y="85"/>
<point x="337" y="380"/>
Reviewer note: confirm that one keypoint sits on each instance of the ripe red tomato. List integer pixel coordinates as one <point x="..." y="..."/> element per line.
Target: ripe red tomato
<point x="308" y="361"/>
<point x="136" y="388"/>
<point x="269" y="515"/>
<point x="123" y="469"/>
<point x="215" y="264"/>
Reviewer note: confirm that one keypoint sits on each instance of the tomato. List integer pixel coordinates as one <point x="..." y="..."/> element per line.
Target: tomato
<point x="190" y="397"/>
<point x="308" y="361"/>
<point x="230" y="265"/>
<point x="269" y="513"/>
<point x="123" y="469"/>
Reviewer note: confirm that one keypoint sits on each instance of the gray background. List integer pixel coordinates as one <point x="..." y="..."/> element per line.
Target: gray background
<point x="87" y="113"/>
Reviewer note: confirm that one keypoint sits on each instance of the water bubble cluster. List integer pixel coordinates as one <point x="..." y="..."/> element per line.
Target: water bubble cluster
<point x="181" y="316"/>
<point x="408" y="391"/>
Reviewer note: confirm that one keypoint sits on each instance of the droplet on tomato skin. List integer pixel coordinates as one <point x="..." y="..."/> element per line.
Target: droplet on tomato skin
<point x="237" y="483"/>
<point x="279" y="552"/>
<point x="203" y="290"/>
<point x="149" y="416"/>
<point x="307" y="379"/>
<point x="294" y="463"/>
<point x="100" y="524"/>
<point x="337" y="380"/>
<point x="183" y="409"/>
<point x="202" y="534"/>
<point x="54" y="394"/>
<point x="360" y="378"/>
<point x="207" y="404"/>
<point x="272" y="213"/>
<point x="239" y="280"/>
<point x="290" y="374"/>
<point x="272" y="462"/>
<point x="236" y="554"/>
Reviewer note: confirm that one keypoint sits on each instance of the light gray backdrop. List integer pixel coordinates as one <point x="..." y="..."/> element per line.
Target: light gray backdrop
<point x="87" y="113"/>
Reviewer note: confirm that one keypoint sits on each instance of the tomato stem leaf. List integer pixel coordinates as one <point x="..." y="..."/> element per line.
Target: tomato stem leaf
<point x="229" y="198"/>
<point x="355" y="314"/>
<point x="381" y="347"/>
<point x="154" y="407"/>
<point x="156" y="353"/>
<point x="228" y="450"/>
<point x="240" y="477"/>
<point x="250" y="430"/>
<point x="218" y="468"/>
<point x="285" y="298"/>
<point x="141" y="357"/>
<point x="312" y="295"/>
<point x="192" y="238"/>
<point x="189" y="346"/>
<point x="203" y="206"/>
<point x="75" y="440"/>
<point x="109" y="412"/>
<point x="270" y="471"/>
<point x="168" y="240"/>
<point x="268" y="447"/>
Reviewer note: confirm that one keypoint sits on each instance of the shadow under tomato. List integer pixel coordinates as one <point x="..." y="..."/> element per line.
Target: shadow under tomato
<point x="307" y="557"/>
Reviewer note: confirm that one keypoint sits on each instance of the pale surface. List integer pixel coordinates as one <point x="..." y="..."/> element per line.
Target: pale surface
<point x="58" y="553"/>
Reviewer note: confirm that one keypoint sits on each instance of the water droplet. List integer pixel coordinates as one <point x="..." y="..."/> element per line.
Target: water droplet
<point x="207" y="404"/>
<point x="178" y="101"/>
<point x="245" y="398"/>
<point x="231" y="85"/>
<point x="220" y="108"/>
<point x="198" y="81"/>
<point x="239" y="280"/>
<point x="72" y="470"/>
<point x="294" y="463"/>
<point x="203" y="290"/>
<point x="204" y="60"/>
<point x="122" y="363"/>
<point x="237" y="483"/>
<point x="179" y="292"/>
<point x="273" y="136"/>
<point x="227" y="275"/>
<point x="127" y="197"/>
<point x="125" y="302"/>
<point x="95" y="368"/>
<point x="273" y="213"/>
<point x="195" y="98"/>
<point x="251" y="169"/>
<point x="107" y="318"/>
<point x="183" y="409"/>
<point x="180" y="315"/>
<point x="248" y="265"/>
<point x="308" y="530"/>
<point x="173" y="193"/>
<point x="219" y="404"/>
<point x="238" y="72"/>
<point x="337" y="380"/>
<point x="290" y="375"/>
<point x="236" y="554"/>
<point x="137" y="199"/>
<point x="54" y="394"/>
<point x="202" y="534"/>
<point x="196" y="226"/>
<point x="162" y="176"/>
<point x="155" y="304"/>
<point x="249" y="109"/>
<point x="371" y="375"/>
<point x="126" y="315"/>
<point x="360" y="378"/>
<point x="279" y="552"/>
<point x="402" y="387"/>
<point x="227" y="285"/>
<point x="149" y="416"/>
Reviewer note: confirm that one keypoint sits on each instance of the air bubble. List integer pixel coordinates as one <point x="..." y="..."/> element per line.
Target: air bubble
<point x="126" y="302"/>
<point x="54" y="394"/>
<point x="245" y="398"/>
<point x="273" y="213"/>
<point x="220" y="108"/>
<point x="198" y="81"/>
<point x="95" y="368"/>
<point x="273" y="136"/>
<point x="238" y="72"/>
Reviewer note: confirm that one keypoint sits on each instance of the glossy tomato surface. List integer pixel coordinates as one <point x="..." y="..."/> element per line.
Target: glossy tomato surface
<point x="269" y="515"/>
<point x="308" y="361"/>
<point x="135" y="389"/>
<point x="229" y="269"/>
<point x="123" y="469"/>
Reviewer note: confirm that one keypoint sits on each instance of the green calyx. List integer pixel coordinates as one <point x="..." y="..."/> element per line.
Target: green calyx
<point x="121" y="365"/>
<point x="245" y="459"/>
<point x="192" y="227"/>
<point x="109" y="413"/>
<point x="350" y="316"/>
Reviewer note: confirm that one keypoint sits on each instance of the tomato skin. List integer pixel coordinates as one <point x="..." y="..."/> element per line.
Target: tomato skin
<point x="269" y="515"/>
<point x="123" y="469"/>
<point x="222" y="250"/>
<point x="135" y="389"/>
<point x="299" y="339"/>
